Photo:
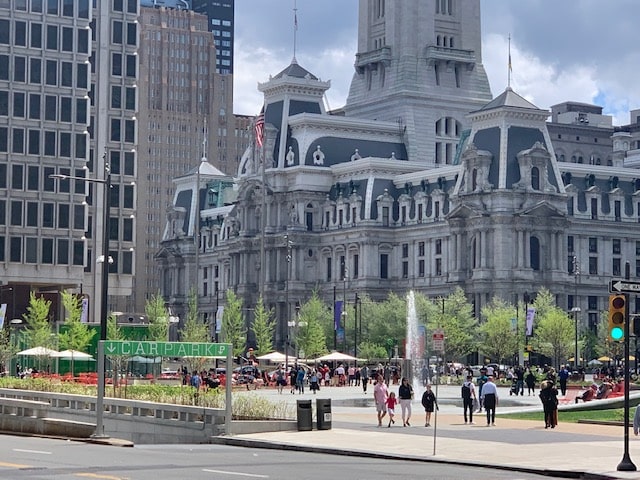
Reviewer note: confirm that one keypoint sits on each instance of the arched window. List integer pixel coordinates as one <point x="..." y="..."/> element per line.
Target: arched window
<point x="534" y="253"/>
<point x="308" y="217"/>
<point x="535" y="178"/>
<point x="474" y="180"/>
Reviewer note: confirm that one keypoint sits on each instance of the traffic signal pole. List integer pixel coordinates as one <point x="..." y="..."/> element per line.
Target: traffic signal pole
<point x="626" y="465"/>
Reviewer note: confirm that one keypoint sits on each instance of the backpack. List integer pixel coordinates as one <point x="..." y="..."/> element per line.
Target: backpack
<point x="466" y="391"/>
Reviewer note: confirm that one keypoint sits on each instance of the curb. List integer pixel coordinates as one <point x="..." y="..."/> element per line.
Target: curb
<point x="250" y="443"/>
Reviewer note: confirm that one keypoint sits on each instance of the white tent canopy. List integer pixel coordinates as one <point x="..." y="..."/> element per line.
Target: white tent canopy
<point x="276" y="357"/>
<point x="37" y="352"/>
<point x="337" y="357"/>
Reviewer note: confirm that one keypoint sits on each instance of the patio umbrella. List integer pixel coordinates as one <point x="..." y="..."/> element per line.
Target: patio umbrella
<point x="594" y="362"/>
<point x="604" y="358"/>
<point x="71" y="355"/>
<point x="37" y="352"/>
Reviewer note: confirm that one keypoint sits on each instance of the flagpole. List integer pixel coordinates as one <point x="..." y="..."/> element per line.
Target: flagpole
<point x="509" y="69"/>
<point x="295" y="26"/>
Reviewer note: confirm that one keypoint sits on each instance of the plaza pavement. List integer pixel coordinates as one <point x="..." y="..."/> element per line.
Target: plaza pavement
<point x="568" y="451"/>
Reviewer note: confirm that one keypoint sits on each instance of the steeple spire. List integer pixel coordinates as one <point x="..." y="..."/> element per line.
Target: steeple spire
<point x="204" y="141"/>
<point x="295" y="29"/>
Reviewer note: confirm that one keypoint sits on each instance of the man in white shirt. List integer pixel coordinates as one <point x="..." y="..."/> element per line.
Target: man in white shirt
<point x="490" y="400"/>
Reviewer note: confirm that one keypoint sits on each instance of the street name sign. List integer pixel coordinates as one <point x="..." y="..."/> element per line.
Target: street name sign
<point x="624" y="286"/>
<point x="165" y="349"/>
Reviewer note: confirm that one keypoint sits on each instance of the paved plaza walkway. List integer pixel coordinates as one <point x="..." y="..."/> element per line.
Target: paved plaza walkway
<point x="573" y="450"/>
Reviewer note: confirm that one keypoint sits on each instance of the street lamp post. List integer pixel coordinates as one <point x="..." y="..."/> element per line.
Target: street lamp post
<point x="575" y="311"/>
<point x="106" y="181"/>
<point x="289" y="246"/>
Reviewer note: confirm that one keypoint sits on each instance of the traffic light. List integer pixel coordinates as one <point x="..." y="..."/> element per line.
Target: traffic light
<point x="617" y="316"/>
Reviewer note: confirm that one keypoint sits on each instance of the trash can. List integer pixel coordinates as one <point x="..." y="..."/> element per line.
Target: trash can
<point x="323" y="412"/>
<point x="305" y="416"/>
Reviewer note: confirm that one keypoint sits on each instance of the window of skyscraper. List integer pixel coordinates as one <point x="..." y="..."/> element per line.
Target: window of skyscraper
<point x="20" y="33"/>
<point x="83" y="40"/>
<point x="19" y="69"/>
<point x="47" y="251"/>
<point x="50" y="146"/>
<point x="67" y="39"/>
<point x="67" y="8"/>
<point x="52" y="37"/>
<point x="4" y="103"/>
<point x="36" y="35"/>
<point x="67" y="74"/>
<point x="36" y="6"/>
<point x="116" y="32"/>
<point x="83" y="8"/>
<point x="5" y="29"/>
<point x="35" y="71"/>
<point x="52" y="7"/>
<point x="4" y="67"/>
<point x="63" y="252"/>
<point x="65" y="109"/>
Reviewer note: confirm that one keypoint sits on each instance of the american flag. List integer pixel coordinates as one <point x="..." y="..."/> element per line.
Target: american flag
<point x="259" y="126"/>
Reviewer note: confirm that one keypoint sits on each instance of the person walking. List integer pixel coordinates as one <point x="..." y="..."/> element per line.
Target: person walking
<point x="391" y="403"/>
<point x="489" y="397"/>
<point x="563" y="376"/>
<point x="405" y="393"/>
<point x="300" y="379"/>
<point x="380" y="395"/>
<point x="530" y="380"/>
<point x="482" y="379"/>
<point x="429" y="402"/>
<point x="293" y="375"/>
<point x="364" y="376"/>
<point x="549" y="398"/>
<point x="519" y="377"/>
<point x="468" y="397"/>
<point x="281" y="381"/>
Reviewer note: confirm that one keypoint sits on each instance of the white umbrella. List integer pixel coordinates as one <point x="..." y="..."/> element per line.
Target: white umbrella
<point x="337" y="357"/>
<point x="71" y="355"/>
<point x="37" y="352"/>
<point x="594" y="362"/>
<point x="276" y="357"/>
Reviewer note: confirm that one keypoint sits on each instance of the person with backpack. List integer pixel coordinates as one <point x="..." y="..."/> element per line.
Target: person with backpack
<point x="468" y="397"/>
<point x="281" y="381"/>
<point x="482" y="379"/>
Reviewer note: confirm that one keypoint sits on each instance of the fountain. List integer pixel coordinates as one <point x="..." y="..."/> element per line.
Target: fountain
<point x="413" y="348"/>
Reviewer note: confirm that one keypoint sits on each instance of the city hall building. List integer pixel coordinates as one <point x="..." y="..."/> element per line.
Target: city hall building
<point x="422" y="181"/>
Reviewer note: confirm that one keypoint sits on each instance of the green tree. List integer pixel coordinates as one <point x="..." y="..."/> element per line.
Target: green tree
<point x="498" y="332"/>
<point x="263" y="328"/>
<point x="387" y="320"/>
<point x="7" y="347"/>
<point x="371" y="351"/>
<point x="194" y="331"/>
<point x="233" y="326"/>
<point x="454" y="315"/>
<point x="310" y="337"/>
<point x="554" y="334"/>
<point x="78" y="335"/>
<point x="38" y="332"/>
<point x="158" y="318"/>
<point x="118" y="363"/>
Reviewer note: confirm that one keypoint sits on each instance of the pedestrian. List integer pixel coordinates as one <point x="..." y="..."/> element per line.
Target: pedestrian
<point x="405" y="393"/>
<point x="380" y="395"/>
<point x="489" y="398"/>
<point x="293" y="376"/>
<point x="429" y="402"/>
<point x="549" y="398"/>
<point x="300" y="380"/>
<point x="636" y="421"/>
<point x="364" y="377"/>
<point x="530" y="380"/>
<point x="519" y="377"/>
<point x="563" y="376"/>
<point x="358" y="376"/>
<point x="468" y="397"/>
<point x="281" y="381"/>
<point x="482" y="379"/>
<point x="392" y="401"/>
<point x="314" y="384"/>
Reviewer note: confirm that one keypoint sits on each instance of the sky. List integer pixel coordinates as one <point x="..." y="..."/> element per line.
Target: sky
<point x="584" y="51"/>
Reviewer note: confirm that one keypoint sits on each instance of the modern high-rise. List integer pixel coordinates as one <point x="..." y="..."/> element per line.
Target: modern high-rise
<point x="221" y="24"/>
<point x="68" y="105"/>
<point x="187" y="112"/>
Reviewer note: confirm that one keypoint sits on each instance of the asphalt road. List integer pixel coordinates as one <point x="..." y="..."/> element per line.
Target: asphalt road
<point x="46" y="459"/>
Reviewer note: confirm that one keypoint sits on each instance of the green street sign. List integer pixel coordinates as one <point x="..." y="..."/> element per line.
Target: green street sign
<point x="165" y="349"/>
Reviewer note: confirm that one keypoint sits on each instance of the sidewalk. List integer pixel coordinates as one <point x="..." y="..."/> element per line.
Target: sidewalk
<point x="576" y="450"/>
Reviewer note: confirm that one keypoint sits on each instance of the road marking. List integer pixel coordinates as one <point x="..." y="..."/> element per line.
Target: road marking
<point x="13" y="465"/>
<point x="32" y="451"/>
<point x="97" y="475"/>
<point x="240" y="474"/>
